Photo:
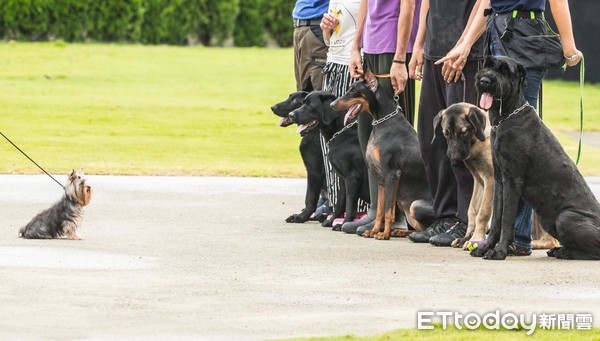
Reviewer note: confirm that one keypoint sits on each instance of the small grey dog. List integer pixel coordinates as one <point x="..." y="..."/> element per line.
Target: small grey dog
<point x="64" y="217"/>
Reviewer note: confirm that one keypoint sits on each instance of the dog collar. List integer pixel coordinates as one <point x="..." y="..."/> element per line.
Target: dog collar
<point x="518" y="110"/>
<point x="387" y="117"/>
<point x="341" y="131"/>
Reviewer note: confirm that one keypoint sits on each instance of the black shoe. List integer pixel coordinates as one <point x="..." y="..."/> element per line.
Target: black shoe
<point x="458" y="230"/>
<point x="434" y="229"/>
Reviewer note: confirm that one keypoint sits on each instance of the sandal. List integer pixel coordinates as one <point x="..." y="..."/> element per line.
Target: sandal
<point x="514" y="250"/>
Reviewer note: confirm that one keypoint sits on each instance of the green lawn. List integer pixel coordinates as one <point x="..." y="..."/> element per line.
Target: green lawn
<point x="468" y="335"/>
<point x="131" y="109"/>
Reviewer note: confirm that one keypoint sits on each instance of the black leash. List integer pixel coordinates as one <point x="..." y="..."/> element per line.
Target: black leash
<point x="30" y="159"/>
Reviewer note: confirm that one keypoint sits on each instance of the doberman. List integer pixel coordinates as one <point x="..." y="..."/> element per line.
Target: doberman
<point x="392" y="155"/>
<point x="345" y="155"/>
<point x="312" y="157"/>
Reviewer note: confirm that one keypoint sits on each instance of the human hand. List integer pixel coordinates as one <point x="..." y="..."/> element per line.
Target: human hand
<point x="458" y="55"/>
<point x="573" y="59"/>
<point x="415" y="67"/>
<point x="398" y="76"/>
<point x="355" y="66"/>
<point x="329" y="22"/>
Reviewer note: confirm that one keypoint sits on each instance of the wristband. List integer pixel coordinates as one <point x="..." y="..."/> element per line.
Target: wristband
<point x="573" y="57"/>
<point x="399" y="61"/>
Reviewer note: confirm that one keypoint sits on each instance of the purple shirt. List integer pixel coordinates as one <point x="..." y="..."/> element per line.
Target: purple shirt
<point x="380" y="33"/>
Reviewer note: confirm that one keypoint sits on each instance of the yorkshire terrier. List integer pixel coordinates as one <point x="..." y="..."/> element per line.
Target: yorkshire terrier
<point x="64" y="217"/>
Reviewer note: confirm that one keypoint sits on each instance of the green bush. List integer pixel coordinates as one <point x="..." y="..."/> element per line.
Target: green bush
<point x="278" y="21"/>
<point x="69" y="20"/>
<point x="249" y="24"/>
<point x="25" y="19"/>
<point x="115" y="20"/>
<point x="208" y="22"/>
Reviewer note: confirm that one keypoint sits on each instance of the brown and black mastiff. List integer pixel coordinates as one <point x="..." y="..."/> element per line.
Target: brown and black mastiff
<point x="530" y="162"/>
<point x="467" y="132"/>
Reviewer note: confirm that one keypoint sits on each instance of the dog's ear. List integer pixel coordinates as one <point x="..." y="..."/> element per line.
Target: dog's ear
<point x="436" y="122"/>
<point x="72" y="174"/>
<point x="477" y="119"/>
<point x="370" y="80"/>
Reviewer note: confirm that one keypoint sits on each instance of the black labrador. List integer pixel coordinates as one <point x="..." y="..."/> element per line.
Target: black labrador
<point x="345" y="155"/>
<point x="312" y="157"/>
<point x="530" y="162"/>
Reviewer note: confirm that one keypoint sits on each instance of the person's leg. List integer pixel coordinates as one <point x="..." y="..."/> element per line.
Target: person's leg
<point x="378" y="64"/>
<point x="310" y="54"/>
<point x="439" y="173"/>
<point x="524" y="218"/>
<point x="455" y="174"/>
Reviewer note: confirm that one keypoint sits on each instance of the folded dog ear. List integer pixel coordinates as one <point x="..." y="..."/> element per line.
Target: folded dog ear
<point x="370" y="80"/>
<point x="436" y="122"/>
<point x="477" y="119"/>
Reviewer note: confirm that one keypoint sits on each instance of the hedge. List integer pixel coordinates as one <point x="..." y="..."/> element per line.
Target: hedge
<point x="208" y="22"/>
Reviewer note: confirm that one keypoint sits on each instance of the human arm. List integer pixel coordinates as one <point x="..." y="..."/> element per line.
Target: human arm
<point x="328" y="24"/>
<point x="398" y="72"/>
<point x="453" y="74"/>
<point x="355" y="66"/>
<point x="415" y="67"/>
<point x="562" y="18"/>
<point x="458" y="55"/>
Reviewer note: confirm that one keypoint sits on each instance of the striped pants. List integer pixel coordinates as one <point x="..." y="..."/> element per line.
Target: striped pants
<point x="336" y="79"/>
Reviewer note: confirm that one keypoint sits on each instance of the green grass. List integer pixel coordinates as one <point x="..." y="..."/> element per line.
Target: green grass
<point x="131" y="109"/>
<point x="468" y="335"/>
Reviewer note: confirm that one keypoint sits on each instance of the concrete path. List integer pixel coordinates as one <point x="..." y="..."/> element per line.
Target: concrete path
<point x="212" y="258"/>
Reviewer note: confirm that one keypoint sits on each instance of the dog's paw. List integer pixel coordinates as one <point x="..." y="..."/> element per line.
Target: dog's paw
<point x="458" y="242"/>
<point x="296" y="218"/>
<point x="328" y="222"/>
<point x="553" y="251"/>
<point x="496" y="254"/>
<point x="382" y="236"/>
<point x="479" y="251"/>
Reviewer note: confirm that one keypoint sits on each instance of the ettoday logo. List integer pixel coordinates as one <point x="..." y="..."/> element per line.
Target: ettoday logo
<point x="510" y="321"/>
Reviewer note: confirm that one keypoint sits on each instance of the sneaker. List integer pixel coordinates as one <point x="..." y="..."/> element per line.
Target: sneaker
<point x="458" y="230"/>
<point x="434" y="229"/>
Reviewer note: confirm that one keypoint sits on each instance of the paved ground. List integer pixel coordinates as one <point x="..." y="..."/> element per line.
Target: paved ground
<point x="211" y="258"/>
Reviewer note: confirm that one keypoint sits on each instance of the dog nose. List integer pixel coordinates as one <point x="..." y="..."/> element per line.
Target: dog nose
<point x="292" y="115"/>
<point x="484" y="81"/>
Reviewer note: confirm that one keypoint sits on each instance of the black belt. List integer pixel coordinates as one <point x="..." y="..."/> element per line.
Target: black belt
<point x="517" y="14"/>
<point x="307" y="22"/>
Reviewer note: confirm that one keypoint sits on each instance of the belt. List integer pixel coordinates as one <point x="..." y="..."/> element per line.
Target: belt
<point x="307" y="22"/>
<point x="517" y="14"/>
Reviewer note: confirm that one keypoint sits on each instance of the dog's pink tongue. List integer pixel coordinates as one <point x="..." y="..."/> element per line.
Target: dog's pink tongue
<point x="301" y="128"/>
<point x="347" y="117"/>
<point x="486" y="101"/>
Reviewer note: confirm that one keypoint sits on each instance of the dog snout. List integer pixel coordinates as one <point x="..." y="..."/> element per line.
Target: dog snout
<point x="485" y="81"/>
<point x="292" y="115"/>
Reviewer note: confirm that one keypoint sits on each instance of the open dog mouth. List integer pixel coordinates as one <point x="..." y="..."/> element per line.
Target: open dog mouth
<point x="304" y="129"/>
<point x="486" y="101"/>
<point x="352" y="113"/>
<point x="285" y="121"/>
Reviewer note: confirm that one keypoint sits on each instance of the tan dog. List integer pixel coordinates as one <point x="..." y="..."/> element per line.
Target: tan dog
<point x="467" y="131"/>
<point x="461" y="124"/>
